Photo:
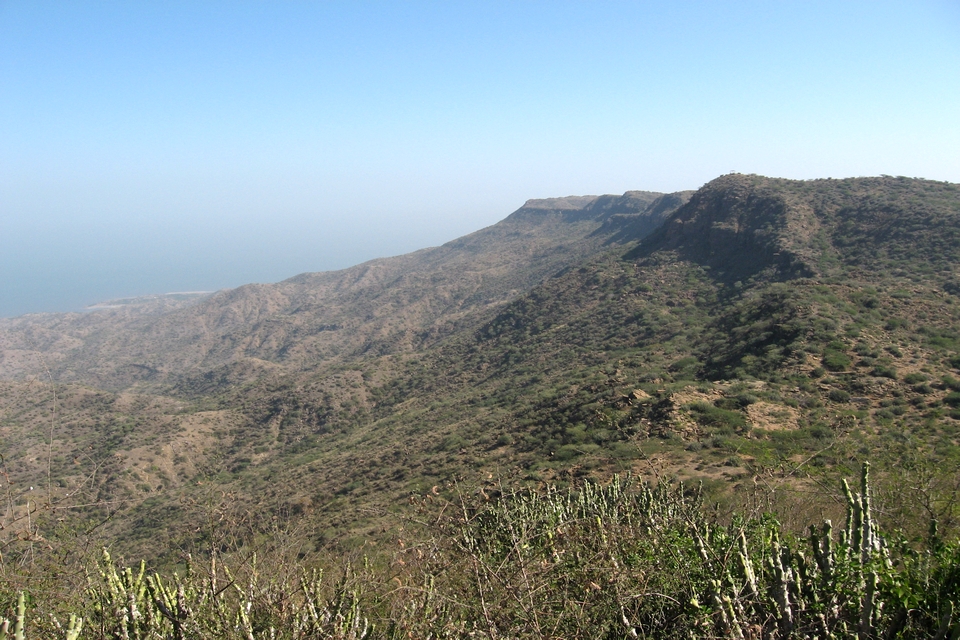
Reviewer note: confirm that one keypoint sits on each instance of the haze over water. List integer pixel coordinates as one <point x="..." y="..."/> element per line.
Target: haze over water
<point x="181" y="146"/>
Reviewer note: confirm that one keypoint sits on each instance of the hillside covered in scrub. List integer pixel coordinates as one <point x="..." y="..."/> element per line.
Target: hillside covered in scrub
<point x="614" y="560"/>
<point x="759" y="339"/>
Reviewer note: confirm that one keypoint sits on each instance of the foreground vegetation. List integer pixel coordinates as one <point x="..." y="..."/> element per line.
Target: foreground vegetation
<point x="614" y="560"/>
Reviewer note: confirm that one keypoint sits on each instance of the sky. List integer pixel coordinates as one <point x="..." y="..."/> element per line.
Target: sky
<point x="157" y="146"/>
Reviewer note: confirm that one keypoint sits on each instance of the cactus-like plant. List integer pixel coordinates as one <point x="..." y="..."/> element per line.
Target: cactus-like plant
<point x="598" y="560"/>
<point x="18" y="621"/>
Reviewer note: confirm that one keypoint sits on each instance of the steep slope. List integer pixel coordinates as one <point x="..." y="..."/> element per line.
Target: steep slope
<point x="802" y="350"/>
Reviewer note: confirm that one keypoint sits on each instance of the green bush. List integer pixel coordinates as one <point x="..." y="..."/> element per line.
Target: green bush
<point x="835" y="360"/>
<point x="884" y="371"/>
<point x="739" y="401"/>
<point x="839" y="395"/>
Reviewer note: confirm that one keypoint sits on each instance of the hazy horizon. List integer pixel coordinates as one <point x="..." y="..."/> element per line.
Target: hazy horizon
<point x="178" y="146"/>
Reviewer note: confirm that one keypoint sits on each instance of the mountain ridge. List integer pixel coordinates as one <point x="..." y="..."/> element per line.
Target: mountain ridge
<point x="769" y="329"/>
<point x="398" y="301"/>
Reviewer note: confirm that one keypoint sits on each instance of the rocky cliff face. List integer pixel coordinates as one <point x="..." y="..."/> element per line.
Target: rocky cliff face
<point x="735" y="226"/>
<point x="743" y="226"/>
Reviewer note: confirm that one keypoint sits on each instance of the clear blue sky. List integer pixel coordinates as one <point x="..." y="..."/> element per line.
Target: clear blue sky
<point x="161" y="146"/>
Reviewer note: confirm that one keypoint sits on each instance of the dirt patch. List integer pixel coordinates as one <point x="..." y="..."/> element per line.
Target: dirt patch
<point x="772" y="417"/>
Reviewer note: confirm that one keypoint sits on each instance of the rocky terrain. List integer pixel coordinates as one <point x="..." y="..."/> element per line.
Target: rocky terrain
<point x="755" y="334"/>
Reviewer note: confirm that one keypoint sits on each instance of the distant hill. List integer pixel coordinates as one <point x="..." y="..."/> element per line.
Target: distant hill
<point x="756" y="336"/>
<point x="382" y="306"/>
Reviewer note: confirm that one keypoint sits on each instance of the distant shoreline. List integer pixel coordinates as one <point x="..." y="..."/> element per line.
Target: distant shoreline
<point x="126" y="302"/>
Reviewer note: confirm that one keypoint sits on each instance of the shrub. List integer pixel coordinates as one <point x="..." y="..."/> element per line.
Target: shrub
<point x="621" y="559"/>
<point x="818" y="431"/>
<point x="839" y="395"/>
<point x="884" y="371"/>
<point x="835" y="360"/>
<point x="738" y="401"/>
